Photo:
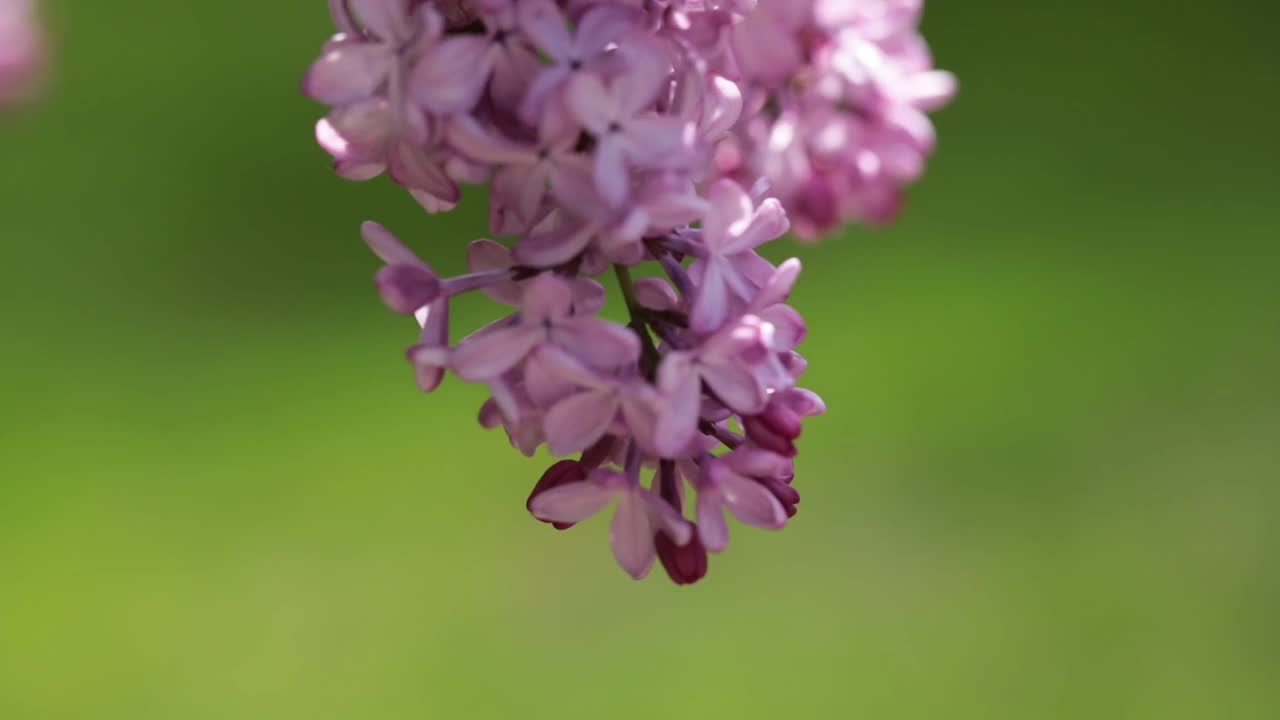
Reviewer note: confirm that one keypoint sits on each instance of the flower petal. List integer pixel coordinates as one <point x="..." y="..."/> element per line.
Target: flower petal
<point x="546" y="297"/>
<point x="711" y="305"/>
<point x="490" y="354"/>
<point x="383" y="17"/>
<point x="543" y="22"/>
<point x="728" y="216"/>
<point x="572" y="502"/>
<point x="471" y="139"/>
<point x="768" y="223"/>
<point x="789" y="327"/>
<point x="351" y="71"/>
<point x="665" y="518"/>
<point x="405" y="288"/>
<point x="558" y="245"/>
<point x="578" y="421"/>
<point x="682" y="395"/>
<point x="598" y="342"/>
<point x="778" y="288"/>
<point x="656" y="294"/>
<point x="735" y="386"/>
<point x="602" y="25"/>
<point x="649" y="68"/>
<point x="712" y="529"/>
<point x="631" y="534"/>
<point x="453" y="75"/>
<point x="655" y="138"/>
<point x="611" y="175"/>
<point x="386" y="245"/>
<point x="751" y="503"/>
<point x="591" y="103"/>
<point x="410" y="166"/>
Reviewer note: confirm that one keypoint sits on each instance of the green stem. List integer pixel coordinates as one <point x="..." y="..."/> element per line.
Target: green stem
<point x="649" y="356"/>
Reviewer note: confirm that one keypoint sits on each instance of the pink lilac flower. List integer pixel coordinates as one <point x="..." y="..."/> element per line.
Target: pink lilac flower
<point x="22" y="51"/>
<point x="613" y="136"/>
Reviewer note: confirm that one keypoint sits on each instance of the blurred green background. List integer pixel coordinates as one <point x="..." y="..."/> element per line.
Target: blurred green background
<point x="1046" y="487"/>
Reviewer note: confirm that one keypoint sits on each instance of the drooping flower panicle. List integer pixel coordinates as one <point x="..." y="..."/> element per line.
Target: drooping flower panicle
<point x="678" y="134"/>
<point x="22" y="51"/>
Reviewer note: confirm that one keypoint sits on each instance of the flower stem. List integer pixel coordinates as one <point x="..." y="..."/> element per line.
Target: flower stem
<point x="649" y="356"/>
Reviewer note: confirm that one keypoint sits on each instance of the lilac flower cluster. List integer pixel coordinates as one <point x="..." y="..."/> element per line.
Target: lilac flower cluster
<point x="22" y="51"/>
<point x="679" y="134"/>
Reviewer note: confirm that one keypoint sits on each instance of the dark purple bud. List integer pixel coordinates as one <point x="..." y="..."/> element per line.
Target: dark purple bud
<point x="762" y="435"/>
<point x="787" y="495"/>
<point x="817" y="204"/>
<point x="685" y="564"/>
<point x="562" y="473"/>
<point x="781" y="419"/>
<point x="406" y="288"/>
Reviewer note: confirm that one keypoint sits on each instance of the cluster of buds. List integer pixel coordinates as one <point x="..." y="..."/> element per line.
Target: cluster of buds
<point x="22" y="51"/>
<point x="674" y="134"/>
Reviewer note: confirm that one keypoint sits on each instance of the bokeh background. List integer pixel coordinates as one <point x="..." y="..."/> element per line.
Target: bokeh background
<point x="1046" y="488"/>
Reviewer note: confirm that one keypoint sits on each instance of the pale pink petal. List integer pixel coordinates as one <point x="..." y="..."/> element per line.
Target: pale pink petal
<point x="641" y="405"/>
<point x="543" y="22"/>
<point x="664" y="517"/>
<point x="556" y="246"/>
<point x="735" y="387"/>
<point x="431" y="203"/>
<point x="512" y="74"/>
<point x="546" y="297"/>
<point x="602" y="25"/>
<point x="656" y="294"/>
<point x="541" y="93"/>
<point x="564" y="365"/>
<point x="410" y="166"/>
<point x="588" y="296"/>
<point x="574" y="186"/>
<point x="611" y="175"/>
<point x="510" y="193"/>
<point x="359" y="131"/>
<point x="631" y="535"/>
<point x="578" y="421"/>
<point x="754" y="462"/>
<point x="789" y="327"/>
<point x="712" y="529"/>
<point x="350" y="72"/>
<point x="649" y="68"/>
<point x="711" y="305"/>
<point x="591" y="103"/>
<point x="471" y="139"/>
<point x="722" y="106"/>
<point x="533" y="185"/>
<point x="678" y="422"/>
<point x="386" y="245"/>
<point x="751" y="503"/>
<point x="778" y="287"/>
<point x="486" y="356"/>
<point x="670" y="209"/>
<point x="571" y="502"/>
<point x="406" y="288"/>
<point x="542" y="382"/>
<point x="452" y="76"/>
<point x="655" y="138"/>
<point x="769" y="223"/>
<point x="484" y="255"/>
<point x="728" y="216"/>
<point x="358" y="170"/>
<point x="383" y="17"/>
<point x="598" y="342"/>
<point x="803" y="402"/>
